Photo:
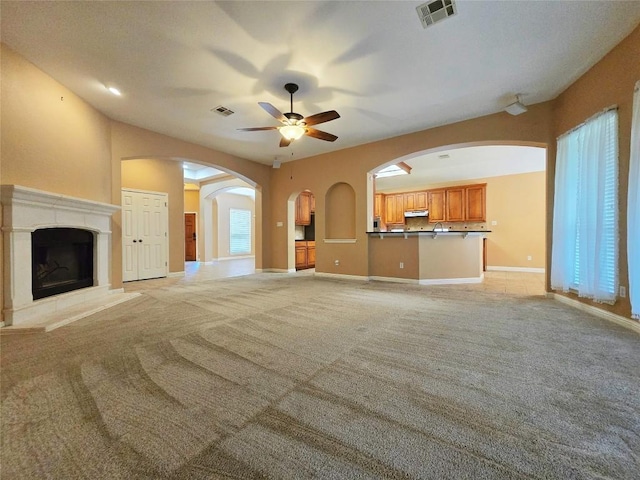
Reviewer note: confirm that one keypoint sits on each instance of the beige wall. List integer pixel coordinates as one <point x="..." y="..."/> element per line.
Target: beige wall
<point x="610" y="82"/>
<point x="165" y="176"/>
<point x="192" y="201"/>
<point x="51" y="139"/>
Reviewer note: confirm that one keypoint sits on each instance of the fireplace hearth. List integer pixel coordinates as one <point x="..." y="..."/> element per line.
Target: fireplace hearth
<point x="62" y="261"/>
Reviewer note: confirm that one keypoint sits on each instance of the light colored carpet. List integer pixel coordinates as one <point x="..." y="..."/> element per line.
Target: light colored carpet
<point x="294" y="377"/>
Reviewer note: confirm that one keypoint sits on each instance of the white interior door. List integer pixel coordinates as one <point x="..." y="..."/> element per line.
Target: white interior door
<point x="144" y="235"/>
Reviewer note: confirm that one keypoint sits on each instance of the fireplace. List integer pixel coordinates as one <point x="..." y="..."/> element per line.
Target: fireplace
<point x="61" y="261"/>
<point x="56" y="252"/>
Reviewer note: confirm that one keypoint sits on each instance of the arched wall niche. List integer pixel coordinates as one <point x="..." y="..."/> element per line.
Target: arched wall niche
<point x="340" y="212"/>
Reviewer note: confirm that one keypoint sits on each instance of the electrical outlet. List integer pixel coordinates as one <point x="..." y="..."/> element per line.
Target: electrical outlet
<point x="494" y="222"/>
<point x="401" y="264"/>
<point x="336" y="262"/>
<point x="623" y="291"/>
<point x="529" y="257"/>
<point x="279" y="224"/>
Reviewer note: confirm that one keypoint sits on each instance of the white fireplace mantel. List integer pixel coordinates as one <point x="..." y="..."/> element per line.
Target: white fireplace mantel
<point x="25" y="210"/>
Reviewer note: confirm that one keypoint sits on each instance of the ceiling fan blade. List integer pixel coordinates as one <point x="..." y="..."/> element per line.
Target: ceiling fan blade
<point x="321" y="117"/>
<point x="255" y="129"/>
<point x="312" y="132"/>
<point x="273" y="111"/>
<point x="284" y="142"/>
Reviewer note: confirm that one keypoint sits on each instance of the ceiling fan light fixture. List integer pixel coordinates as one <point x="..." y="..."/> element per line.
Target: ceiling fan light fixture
<point x="292" y="132"/>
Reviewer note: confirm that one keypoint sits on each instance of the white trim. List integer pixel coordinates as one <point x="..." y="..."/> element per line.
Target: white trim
<point x="279" y="270"/>
<point x="360" y="278"/>
<point x="598" y="312"/>
<point x="394" y="279"/>
<point x="339" y="240"/>
<point x="451" y="281"/>
<point x="174" y="274"/>
<point x="515" y="269"/>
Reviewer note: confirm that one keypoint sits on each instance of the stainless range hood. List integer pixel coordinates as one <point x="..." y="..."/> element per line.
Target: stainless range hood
<point x="416" y="213"/>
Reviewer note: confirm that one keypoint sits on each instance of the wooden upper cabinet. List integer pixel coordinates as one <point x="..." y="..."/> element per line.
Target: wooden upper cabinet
<point x="436" y="199"/>
<point x="455" y="205"/>
<point x="410" y="201"/>
<point x="394" y="208"/>
<point x="303" y="209"/>
<point x="476" y="203"/>
<point x="420" y="200"/>
<point x="378" y="205"/>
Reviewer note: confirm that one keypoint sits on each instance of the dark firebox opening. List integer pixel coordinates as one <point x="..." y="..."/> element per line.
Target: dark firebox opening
<point x="62" y="261"/>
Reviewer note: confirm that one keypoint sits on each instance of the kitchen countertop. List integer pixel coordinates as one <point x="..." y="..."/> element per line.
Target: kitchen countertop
<point x="430" y="232"/>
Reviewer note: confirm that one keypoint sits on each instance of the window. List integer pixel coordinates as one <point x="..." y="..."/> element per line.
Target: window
<point x="239" y="231"/>
<point x="585" y="216"/>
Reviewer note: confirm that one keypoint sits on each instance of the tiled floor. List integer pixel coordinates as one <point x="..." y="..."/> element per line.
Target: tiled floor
<point x="518" y="283"/>
<point x="509" y="283"/>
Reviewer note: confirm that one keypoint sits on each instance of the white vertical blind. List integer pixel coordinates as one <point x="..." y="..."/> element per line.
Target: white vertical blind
<point x="239" y="231"/>
<point x="633" y="209"/>
<point x="585" y="218"/>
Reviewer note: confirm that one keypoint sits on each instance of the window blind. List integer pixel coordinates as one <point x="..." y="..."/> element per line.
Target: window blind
<point x="239" y="231"/>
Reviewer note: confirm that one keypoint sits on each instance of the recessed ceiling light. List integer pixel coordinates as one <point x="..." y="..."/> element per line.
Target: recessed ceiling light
<point x="114" y="90"/>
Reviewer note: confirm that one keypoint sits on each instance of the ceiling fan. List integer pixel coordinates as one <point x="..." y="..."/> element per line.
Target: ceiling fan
<point x="295" y="125"/>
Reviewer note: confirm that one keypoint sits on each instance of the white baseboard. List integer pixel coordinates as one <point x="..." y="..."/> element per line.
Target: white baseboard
<point x="375" y="278"/>
<point x="515" y="269"/>
<point x="360" y="278"/>
<point x="598" y="312"/>
<point x="278" y="270"/>
<point x="175" y="274"/>
<point x="451" y="281"/>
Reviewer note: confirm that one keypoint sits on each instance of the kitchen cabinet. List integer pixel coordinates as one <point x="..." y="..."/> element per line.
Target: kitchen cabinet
<point x="378" y="205"/>
<point x="305" y="254"/>
<point x="465" y="203"/>
<point x="476" y="203"/>
<point x="311" y="254"/>
<point x="420" y="200"/>
<point x="455" y="205"/>
<point x="415" y="201"/>
<point x="303" y="208"/>
<point x="409" y="201"/>
<point x="437" y="200"/>
<point x="394" y="208"/>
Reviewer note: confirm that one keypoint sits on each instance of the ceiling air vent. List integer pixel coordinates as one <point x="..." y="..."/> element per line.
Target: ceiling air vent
<point x="432" y="12"/>
<point x="224" y="111"/>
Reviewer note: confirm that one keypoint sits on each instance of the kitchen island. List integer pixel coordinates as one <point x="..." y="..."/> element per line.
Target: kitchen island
<point x="427" y="257"/>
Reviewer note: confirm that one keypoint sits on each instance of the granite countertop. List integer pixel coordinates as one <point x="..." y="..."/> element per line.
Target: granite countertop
<point x="439" y="232"/>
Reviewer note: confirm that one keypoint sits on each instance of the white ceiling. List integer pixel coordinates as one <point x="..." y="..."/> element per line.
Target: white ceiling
<point x="371" y="61"/>
<point x="462" y="164"/>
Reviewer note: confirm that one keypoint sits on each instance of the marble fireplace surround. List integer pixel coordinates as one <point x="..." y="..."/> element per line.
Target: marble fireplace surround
<point x="25" y="210"/>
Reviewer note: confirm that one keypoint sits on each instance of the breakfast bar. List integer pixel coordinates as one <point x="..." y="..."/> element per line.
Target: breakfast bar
<point x="427" y="257"/>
